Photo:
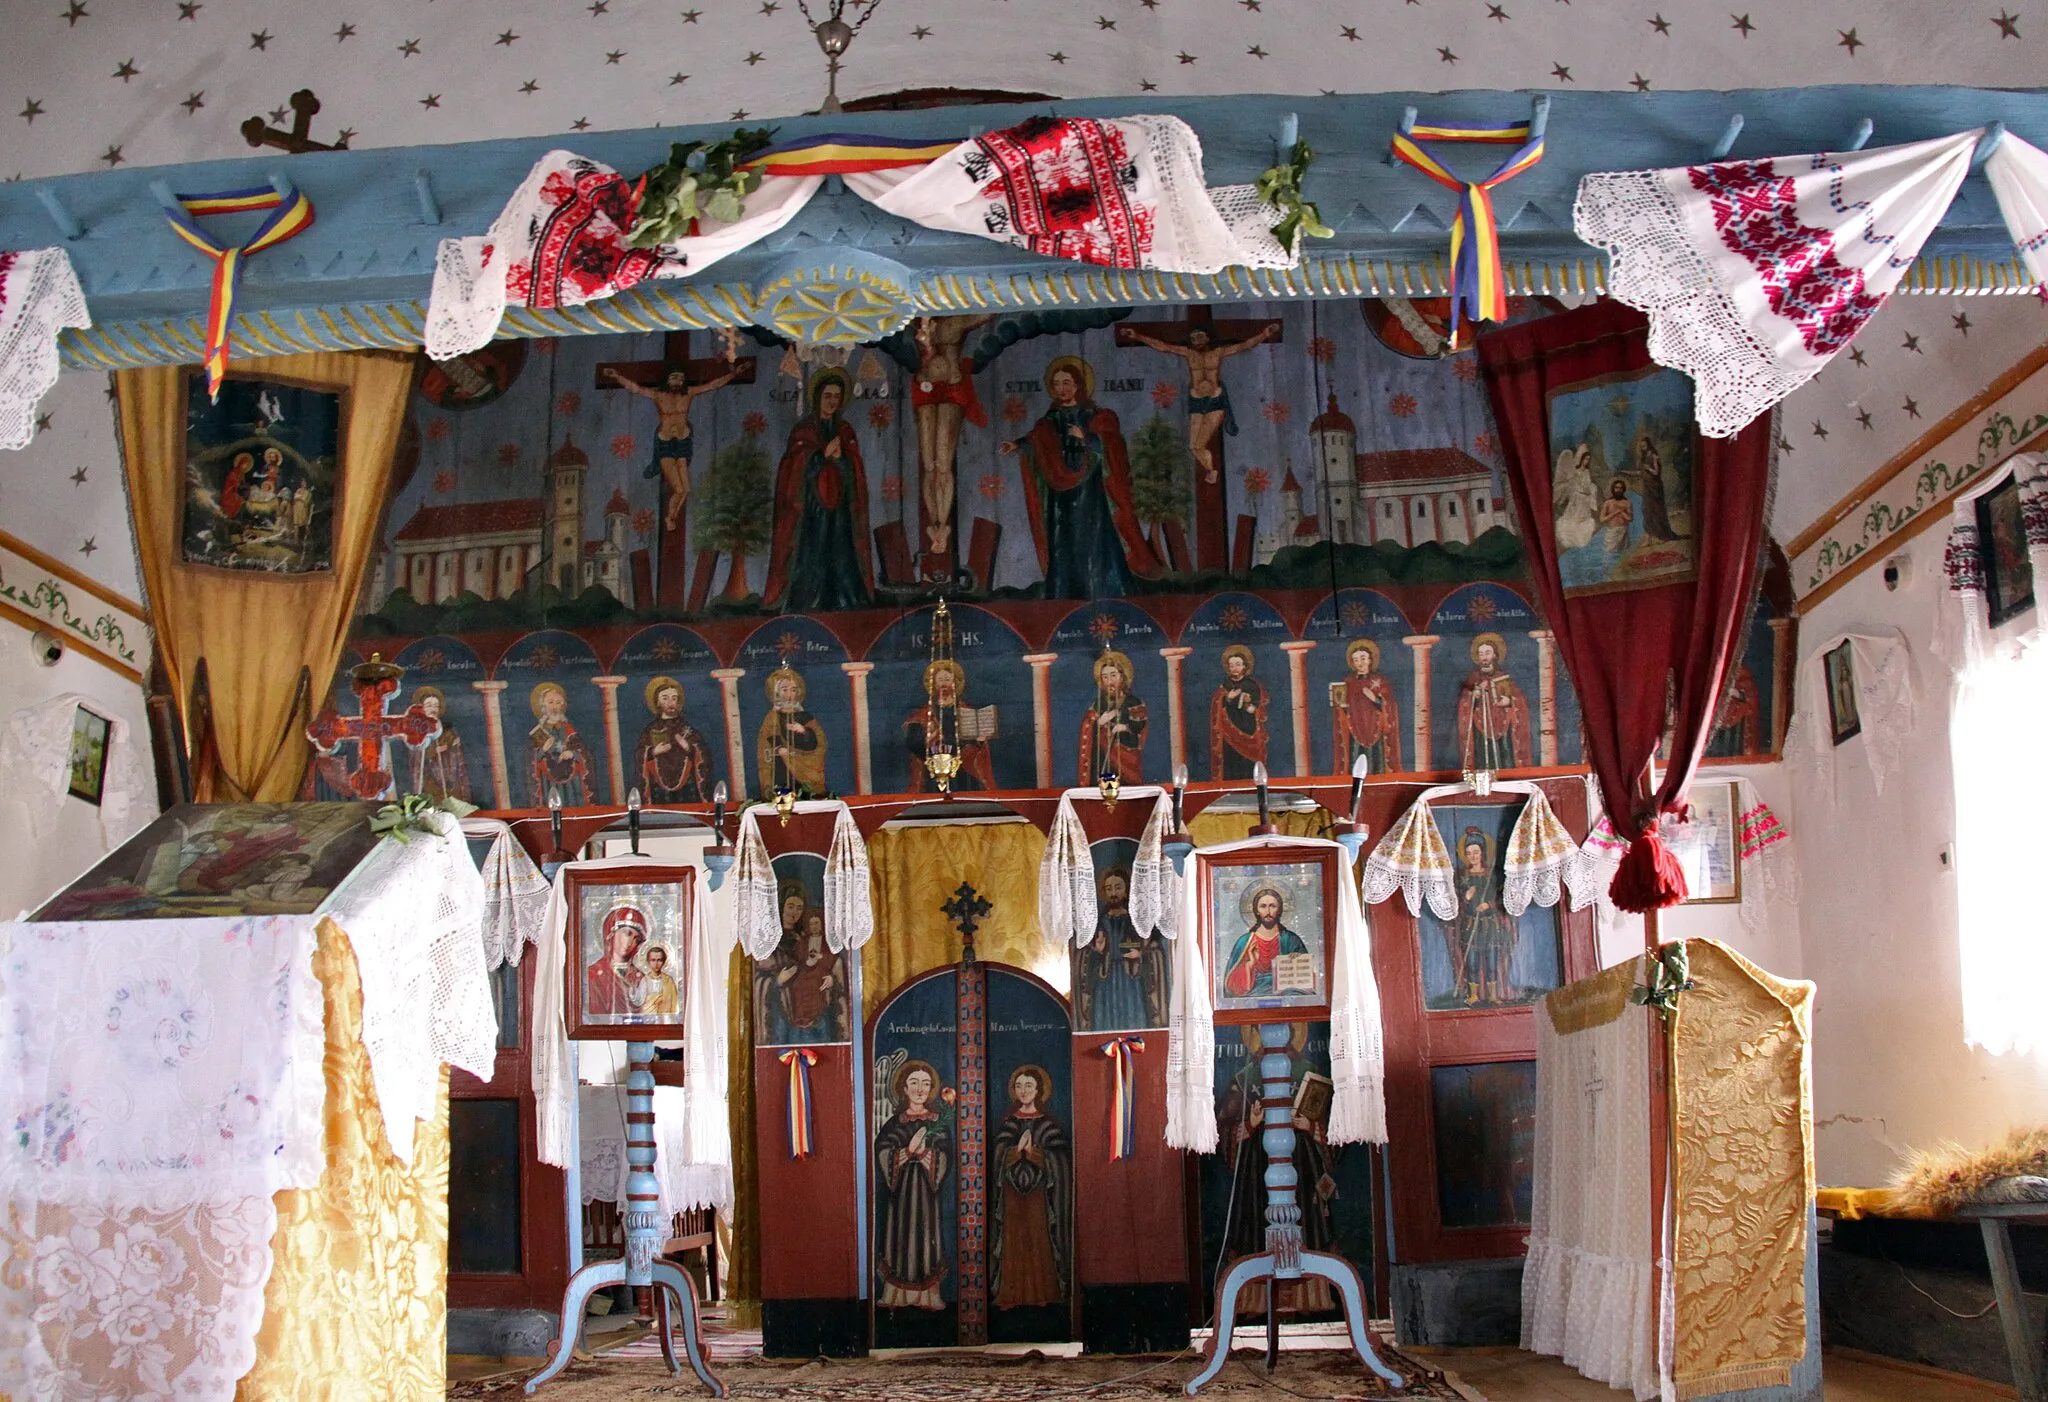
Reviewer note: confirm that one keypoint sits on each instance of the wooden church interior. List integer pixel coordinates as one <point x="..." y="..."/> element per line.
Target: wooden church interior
<point x="1127" y="710"/>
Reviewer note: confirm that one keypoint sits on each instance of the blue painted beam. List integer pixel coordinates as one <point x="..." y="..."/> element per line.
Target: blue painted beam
<point x="361" y="275"/>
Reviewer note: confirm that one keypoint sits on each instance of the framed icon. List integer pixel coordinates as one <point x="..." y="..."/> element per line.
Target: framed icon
<point x="1706" y="846"/>
<point x="89" y="734"/>
<point x="1268" y="924"/>
<point x="1839" y="667"/>
<point x="625" y="939"/>
<point x="2002" y="545"/>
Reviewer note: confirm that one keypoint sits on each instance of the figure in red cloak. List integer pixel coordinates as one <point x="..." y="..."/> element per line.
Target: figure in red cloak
<point x="820" y="557"/>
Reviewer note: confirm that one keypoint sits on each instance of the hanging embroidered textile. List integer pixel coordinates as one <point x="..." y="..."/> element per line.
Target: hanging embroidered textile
<point x="849" y="895"/>
<point x="1602" y="851"/>
<point x="515" y="893"/>
<point x="1755" y="273"/>
<point x="293" y="216"/>
<point x="1123" y="1096"/>
<point x="1648" y="605"/>
<point x="1770" y="874"/>
<point x="35" y="768"/>
<point x="798" y="1118"/>
<point x="39" y="297"/>
<point x="1412" y="859"/>
<point x="2018" y="172"/>
<point x="1588" y="1284"/>
<point x="2013" y="500"/>
<point x="1543" y="863"/>
<point x="1874" y="690"/>
<point x="1478" y="284"/>
<point x="1067" y="906"/>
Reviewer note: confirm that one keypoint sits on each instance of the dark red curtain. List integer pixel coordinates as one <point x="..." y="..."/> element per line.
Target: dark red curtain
<point x="1635" y="655"/>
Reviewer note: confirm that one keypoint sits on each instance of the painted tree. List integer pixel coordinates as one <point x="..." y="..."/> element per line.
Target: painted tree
<point x="1161" y="483"/>
<point x="736" y="508"/>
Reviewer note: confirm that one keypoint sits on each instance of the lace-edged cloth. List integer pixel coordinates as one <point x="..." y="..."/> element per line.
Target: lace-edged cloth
<point x="1067" y="909"/>
<point x="1413" y="860"/>
<point x="35" y="765"/>
<point x="1963" y="635"/>
<point x="515" y="894"/>
<point x="1755" y="273"/>
<point x="1882" y="676"/>
<point x="1601" y="853"/>
<point x="1543" y="863"/>
<point x="2018" y="172"/>
<point x="1763" y="846"/>
<point x="39" y="298"/>
<point x="849" y="885"/>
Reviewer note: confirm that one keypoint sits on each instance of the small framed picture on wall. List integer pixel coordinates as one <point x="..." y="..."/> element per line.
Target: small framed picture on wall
<point x="1838" y="666"/>
<point x="89" y="734"/>
<point x="1268" y="919"/>
<point x="627" y="929"/>
<point x="2002" y="545"/>
<point x="1706" y="847"/>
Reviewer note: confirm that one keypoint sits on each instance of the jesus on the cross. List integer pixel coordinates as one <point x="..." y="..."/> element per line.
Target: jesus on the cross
<point x="1209" y="409"/>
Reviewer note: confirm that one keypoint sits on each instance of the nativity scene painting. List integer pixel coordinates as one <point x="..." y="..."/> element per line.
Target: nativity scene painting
<point x="260" y="470"/>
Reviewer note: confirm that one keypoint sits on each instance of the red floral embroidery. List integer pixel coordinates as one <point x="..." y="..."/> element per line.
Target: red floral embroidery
<point x="1065" y="189"/>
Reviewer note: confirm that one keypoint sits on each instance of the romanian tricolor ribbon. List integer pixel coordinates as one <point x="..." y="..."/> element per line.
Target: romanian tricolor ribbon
<point x="1123" y="1097"/>
<point x="840" y="154"/>
<point x="799" y="1060"/>
<point x="1477" y="281"/>
<point x="294" y="216"/>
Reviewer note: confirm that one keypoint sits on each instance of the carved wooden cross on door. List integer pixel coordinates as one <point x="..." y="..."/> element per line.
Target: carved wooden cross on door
<point x="967" y="909"/>
<point x="653" y="375"/>
<point x="1212" y="498"/>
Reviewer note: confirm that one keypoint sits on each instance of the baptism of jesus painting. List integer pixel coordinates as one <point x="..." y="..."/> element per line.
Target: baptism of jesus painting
<point x="260" y="471"/>
<point x="1621" y="492"/>
<point x="1269" y="935"/>
<point x="1486" y="957"/>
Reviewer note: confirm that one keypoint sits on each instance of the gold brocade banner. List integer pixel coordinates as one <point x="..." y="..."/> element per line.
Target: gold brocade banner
<point x="1743" y="1126"/>
<point x="255" y="631"/>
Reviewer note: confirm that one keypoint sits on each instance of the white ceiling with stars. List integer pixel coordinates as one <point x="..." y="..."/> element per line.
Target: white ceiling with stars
<point x="89" y="84"/>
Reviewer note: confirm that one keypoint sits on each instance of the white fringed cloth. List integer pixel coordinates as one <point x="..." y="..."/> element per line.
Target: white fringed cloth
<point x="515" y="893"/>
<point x="1755" y="273"/>
<point x="1882" y="671"/>
<point x="1126" y="192"/>
<point x="1066" y="874"/>
<point x="2018" y="172"/>
<point x="703" y="1176"/>
<point x="1588" y="1294"/>
<point x="1963" y="635"/>
<point x="849" y="883"/>
<point x="35" y="767"/>
<point x="39" y="297"/>
<point x="601" y="1139"/>
<point x="1358" y="1060"/>
<point x="161" y="1080"/>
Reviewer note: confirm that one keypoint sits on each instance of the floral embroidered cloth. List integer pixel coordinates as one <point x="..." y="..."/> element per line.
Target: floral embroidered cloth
<point x="39" y="297"/>
<point x="1755" y="273"/>
<point x="1543" y="863"/>
<point x="1413" y="860"/>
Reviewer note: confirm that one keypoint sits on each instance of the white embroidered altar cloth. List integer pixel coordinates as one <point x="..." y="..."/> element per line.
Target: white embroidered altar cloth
<point x="39" y="297"/>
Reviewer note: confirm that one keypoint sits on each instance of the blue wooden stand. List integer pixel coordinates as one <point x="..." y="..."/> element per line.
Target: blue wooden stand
<point x="644" y="1228"/>
<point x="1284" y="1258"/>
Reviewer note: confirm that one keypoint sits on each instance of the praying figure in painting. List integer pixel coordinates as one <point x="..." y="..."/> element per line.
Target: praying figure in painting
<point x="947" y="722"/>
<point x="1493" y="714"/>
<point x="1368" y="718"/>
<point x="1650" y="486"/>
<point x="611" y="982"/>
<point x="438" y="768"/>
<point x="672" y="763"/>
<point x="942" y="396"/>
<point x="1077" y="491"/>
<point x="1574" y="500"/>
<point x="790" y="746"/>
<point x="1031" y="1210"/>
<point x="820" y="559"/>
<point x="1237" y="718"/>
<point x="1208" y="402"/>
<point x="1617" y="514"/>
<point x="559" y="760"/>
<point x="913" y="1161"/>
<point x="655" y="993"/>
<point x="1113" y="729"/>
<point x="673" y="441"/>
<point x="1120" y="977"/>
<point x="1484" y="934"/>
<point x="1250" y="971"/>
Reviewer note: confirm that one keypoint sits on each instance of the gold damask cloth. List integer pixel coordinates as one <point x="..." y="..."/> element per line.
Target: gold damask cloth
<point x="357" y="1305"/>
<point x="1742" y="1109"/>
<point x="917" y="870"/>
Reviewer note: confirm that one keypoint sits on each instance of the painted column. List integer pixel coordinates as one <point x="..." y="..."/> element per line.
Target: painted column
<point x="1041" y="713"/>
<point x="494" y="738"/>
<point x="863" y="752"/>
<point x="1297" y="686"/>
<point x="610" y="687"/>
<point x="1419" y="645"/>
<point x="735" y="748"/>
<point x="1546" y="692"/>
<point x="1176" y="706"/>
<point x="1781" y="681"/>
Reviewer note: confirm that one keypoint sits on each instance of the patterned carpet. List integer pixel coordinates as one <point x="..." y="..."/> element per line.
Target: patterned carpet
<point x="1323" y="1375"/>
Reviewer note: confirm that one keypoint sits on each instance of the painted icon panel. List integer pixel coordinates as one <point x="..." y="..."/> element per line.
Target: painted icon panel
<point x="1485" y="957"/>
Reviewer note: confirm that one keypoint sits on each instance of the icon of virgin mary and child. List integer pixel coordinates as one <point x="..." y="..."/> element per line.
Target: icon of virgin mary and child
<point x="630" y="978"/>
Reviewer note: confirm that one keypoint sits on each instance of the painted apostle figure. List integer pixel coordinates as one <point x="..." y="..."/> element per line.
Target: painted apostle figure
<point x="1237" y="718"/>
<point x="1483" y="936"/>
<point x="674" y="443"/>
<point x="790" y="746"/>
<point x="1249" y="971"/>
<point x="1120" y="979"/>
<point x="672" y="763"/>
<point x="1113" y="729"/>
<point x="937" y="725"/>
<point x="1493" y="714"/>
<point x="913" y="1161"/>
<point x="942" y="396"/>
<point x="1368" y="717"/>
<point x="820" y="558"/>
<point x="1077" y="490"/>
<point x="1208" y="402"/>
<point x="1031" y="1160"/>
<point x="438" y="768"/>
<point x="559" y="761"/>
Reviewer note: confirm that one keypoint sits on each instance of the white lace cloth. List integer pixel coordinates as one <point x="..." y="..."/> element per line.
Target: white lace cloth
<point x="160" y="1080"/>
<point x="702" y="1175"/>
<point x="1755" y="273"/>
<point x="35" y="768"/>
<point x="515" y="893"/>
<point x="1412" y="859"/>
<point x="1358" y="1070"/>
<point x="1586" y="1284"/>
<point x="849" y="883"/>
<point x="1770" y="870"/>
<point x="1543" y="863"/>
<point x="39" y="297"/>
<point x="601" y="1132"/>
<point x="2018" y="172"/>
<point x="1963" y="635"/>
<point x="412" y="911"/>
<point x="1066" y="874"/>
<point x="1883" y="674"/>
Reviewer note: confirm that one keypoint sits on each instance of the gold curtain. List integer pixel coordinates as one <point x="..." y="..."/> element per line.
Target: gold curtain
<point x="743" y="1254"/>
<point x="1209" y="828"/>
<point x="255" y="632"/>
<point x="917" y="870"/>
<point x="357" y="1304"/>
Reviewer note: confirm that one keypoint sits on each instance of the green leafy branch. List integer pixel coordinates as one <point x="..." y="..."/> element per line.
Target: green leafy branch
<point x="1670" y="974"/>
<point x="1280" y="187"/>
<point x="699" y="180"/>
<point x="414" y="813"/>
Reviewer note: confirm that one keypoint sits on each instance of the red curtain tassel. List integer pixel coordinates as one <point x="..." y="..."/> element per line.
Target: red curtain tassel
<point x="1649" y="877"/>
